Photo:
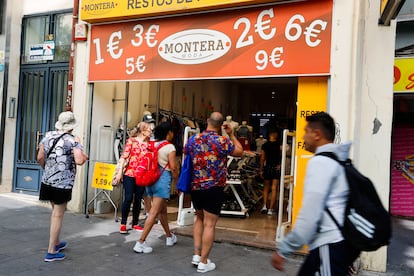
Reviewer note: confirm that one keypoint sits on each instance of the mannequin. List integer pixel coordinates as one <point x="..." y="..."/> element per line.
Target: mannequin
<point x="244" y="130"/>
<point x="119" y="137"/>
<point x="244" y="134"/>
<point x="147" y="117"/>
<point x="233" y="124"/>
<point x="259" y="143"/>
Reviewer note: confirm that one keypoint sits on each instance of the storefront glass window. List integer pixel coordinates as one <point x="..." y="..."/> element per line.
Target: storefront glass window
<point x="63" y="33"/>
<point x="35" y="30"/>
<point x="47" y="38"/>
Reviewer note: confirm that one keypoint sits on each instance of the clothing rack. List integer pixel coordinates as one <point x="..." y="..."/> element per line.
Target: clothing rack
<point x="180" y="115"/>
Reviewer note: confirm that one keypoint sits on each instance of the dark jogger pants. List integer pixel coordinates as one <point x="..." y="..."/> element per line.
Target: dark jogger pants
<point x="329" y="260"/>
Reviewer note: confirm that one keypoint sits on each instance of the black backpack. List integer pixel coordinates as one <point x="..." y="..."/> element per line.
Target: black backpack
<point x="367" y="225"/>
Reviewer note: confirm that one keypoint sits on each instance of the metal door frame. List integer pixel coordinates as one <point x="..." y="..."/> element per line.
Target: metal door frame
<point x="47" y="120"/>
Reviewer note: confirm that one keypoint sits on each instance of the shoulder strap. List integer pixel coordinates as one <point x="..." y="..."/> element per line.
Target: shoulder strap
<point x="158" y="148"/>
<point x="54" y="144"/>
<point x="330" y="155"/>
<point x="334" y="157"/>
<point x="162" y="144"/>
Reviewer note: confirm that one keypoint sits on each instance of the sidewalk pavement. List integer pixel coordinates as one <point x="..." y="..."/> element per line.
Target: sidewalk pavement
<point x="95" y="247"/>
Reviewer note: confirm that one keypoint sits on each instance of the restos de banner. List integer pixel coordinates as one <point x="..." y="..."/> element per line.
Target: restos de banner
<point x="281" y="40"/>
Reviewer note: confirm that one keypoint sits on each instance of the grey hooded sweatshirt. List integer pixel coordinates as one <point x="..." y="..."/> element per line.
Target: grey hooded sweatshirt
<point x="325" y="186"/>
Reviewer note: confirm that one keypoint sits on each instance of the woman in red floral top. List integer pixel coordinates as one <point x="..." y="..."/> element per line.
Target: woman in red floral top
<point x="133" y="148"/>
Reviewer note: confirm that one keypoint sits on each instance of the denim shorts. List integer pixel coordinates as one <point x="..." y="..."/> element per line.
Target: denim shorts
<point x="162" y="187"/>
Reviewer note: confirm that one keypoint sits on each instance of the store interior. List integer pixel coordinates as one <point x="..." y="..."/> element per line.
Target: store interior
<point x="253" y="105"/>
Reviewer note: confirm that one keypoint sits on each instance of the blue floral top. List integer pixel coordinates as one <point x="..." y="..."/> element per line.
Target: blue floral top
<point x="209" y="154"/>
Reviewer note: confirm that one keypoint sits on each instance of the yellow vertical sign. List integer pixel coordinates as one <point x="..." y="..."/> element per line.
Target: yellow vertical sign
<point x="102" y="176"/>
<point x="312" y="97"/>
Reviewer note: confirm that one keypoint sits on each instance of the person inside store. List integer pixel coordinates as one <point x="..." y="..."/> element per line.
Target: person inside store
<point x="132" y="192"/>
<point x="160" y="191"/>
<point x="270" y="160"/>
<point x="209" y="151"/>
<point x="59" y="153"/>
<point x="325" y="185"/>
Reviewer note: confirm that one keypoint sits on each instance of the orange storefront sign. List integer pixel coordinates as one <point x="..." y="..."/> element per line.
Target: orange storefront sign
<point x="281" y="40"/>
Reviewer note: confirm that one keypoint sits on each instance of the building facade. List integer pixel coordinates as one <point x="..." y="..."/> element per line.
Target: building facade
<point x="321" y="60"/>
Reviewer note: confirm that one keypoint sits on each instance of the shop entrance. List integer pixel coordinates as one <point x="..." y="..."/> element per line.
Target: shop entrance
<point x="262" y="104"/>
<point x="257" y="103"/>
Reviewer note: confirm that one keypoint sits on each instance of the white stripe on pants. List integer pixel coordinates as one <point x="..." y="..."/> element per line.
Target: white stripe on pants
<point x="325" y="269"/>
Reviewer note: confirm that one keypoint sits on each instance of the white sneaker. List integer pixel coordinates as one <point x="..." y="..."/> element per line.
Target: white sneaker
<point x="170" y="241"/>
<point x="142" y="248"/>
<point x="271" y="212"/>
<point x="203" y="268"/>
<point x="196" y="259"/>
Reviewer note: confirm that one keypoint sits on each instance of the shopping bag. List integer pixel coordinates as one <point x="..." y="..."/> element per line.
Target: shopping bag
<point x="184" y="181"/>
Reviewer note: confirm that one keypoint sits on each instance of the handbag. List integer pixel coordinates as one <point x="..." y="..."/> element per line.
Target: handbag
<point x="186" y="174"/>
<point x="118" y="167"/>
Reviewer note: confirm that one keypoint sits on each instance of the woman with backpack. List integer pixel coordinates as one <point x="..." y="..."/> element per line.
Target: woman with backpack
<point x="160" y="190"/>
<point x="129" y="160"/>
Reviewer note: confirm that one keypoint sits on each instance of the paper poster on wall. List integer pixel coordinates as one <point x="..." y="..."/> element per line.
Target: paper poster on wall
<point x="42" y="51"/>
<point x="402" y="173"/>
<point x="280" y="40"/>
<point x="48" y="50"/>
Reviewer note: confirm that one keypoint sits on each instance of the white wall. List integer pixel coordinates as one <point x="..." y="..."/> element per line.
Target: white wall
<point x="13" y="27"/>
<point x="362" y="58"/>
<point x="41" y="6"/>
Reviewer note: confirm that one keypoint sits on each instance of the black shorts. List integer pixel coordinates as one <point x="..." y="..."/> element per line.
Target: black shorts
<point x="209" y="200"/>
<point x="270" y="173"/>
<point x="54" y="195"/>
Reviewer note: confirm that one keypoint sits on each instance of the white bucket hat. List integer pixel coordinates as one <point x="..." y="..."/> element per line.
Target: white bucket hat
<point x="66" y="121"/>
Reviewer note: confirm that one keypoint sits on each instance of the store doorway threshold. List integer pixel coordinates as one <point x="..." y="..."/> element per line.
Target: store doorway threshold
<point x="257" y="230"/>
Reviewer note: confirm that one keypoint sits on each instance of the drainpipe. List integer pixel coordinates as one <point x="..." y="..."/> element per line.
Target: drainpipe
<point x="72" y="54"/>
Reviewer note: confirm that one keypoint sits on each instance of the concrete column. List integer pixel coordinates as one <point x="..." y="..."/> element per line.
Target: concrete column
<point x="361" y="94"/>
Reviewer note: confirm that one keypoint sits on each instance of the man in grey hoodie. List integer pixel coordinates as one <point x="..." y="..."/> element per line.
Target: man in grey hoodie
<point x="325" y="186"/>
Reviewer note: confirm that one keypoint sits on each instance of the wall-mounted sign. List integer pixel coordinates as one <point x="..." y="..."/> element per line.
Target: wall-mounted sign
<point x="404" y="75"/>
<point x="35" y="52"/>
<point x="312" y="98"/>
<point x="48" y="50"/>
<point x="81" y="32"/>
<point x="45" y="51"/>
<point x="104" y="11"/>
<point x="281" y="40"/>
